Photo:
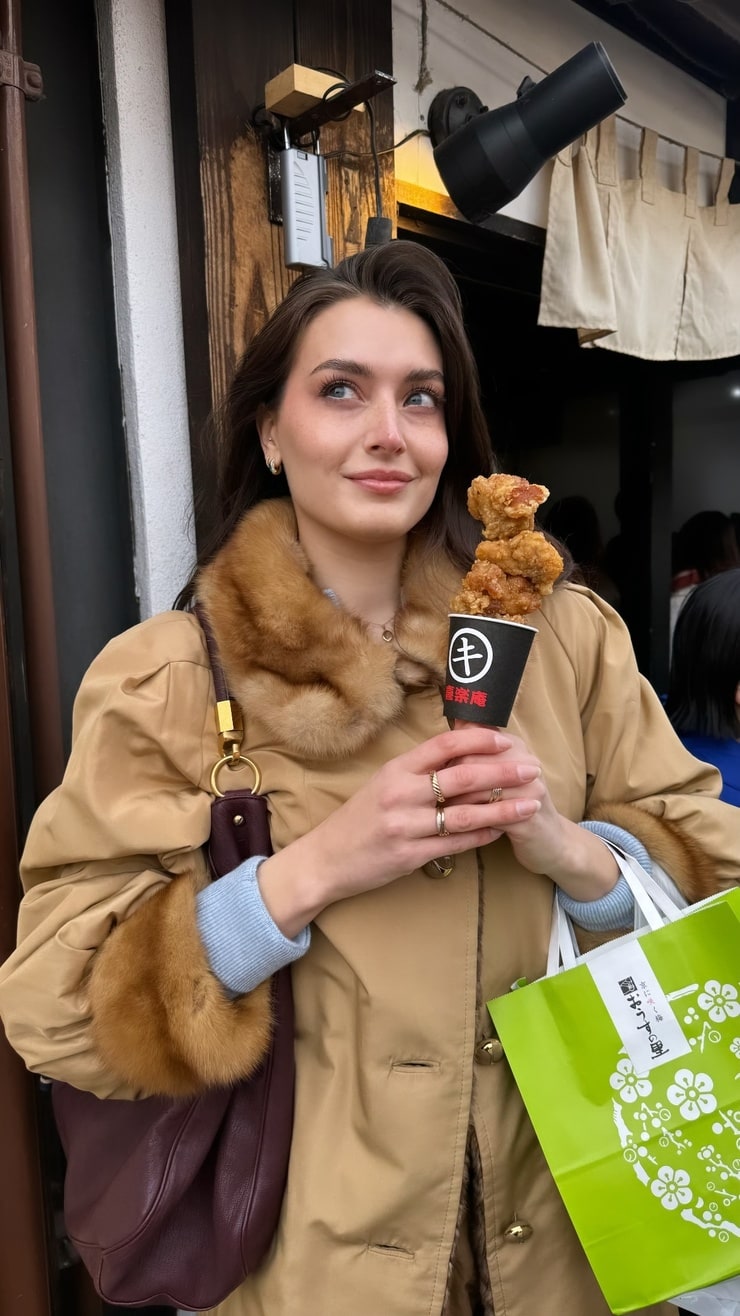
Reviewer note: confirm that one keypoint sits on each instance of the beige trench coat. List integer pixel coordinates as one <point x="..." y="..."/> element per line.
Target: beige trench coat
<point x="390" y="1012"/>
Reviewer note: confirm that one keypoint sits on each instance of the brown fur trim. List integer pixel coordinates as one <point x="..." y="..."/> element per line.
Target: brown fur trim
<point x="161" y="1019"/>
<point x="308" y="669"/>
<point x="667" y="843"/>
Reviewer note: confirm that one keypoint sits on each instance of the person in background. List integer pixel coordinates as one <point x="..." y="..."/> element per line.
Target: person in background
<point x="704" y="690"/>
<point x="575" y="522"/>
<point x="705" y="545"/>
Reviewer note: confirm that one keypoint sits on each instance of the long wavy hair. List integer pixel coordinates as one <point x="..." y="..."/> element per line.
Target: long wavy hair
<point x="396" y="274"/>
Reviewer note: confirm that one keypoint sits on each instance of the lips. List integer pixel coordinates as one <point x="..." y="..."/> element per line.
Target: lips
<point x="381" y="481"/>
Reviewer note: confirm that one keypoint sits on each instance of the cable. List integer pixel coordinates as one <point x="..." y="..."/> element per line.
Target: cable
<point x="376" y="161"/>
<point x="385" y="150"/>
<point x="336" y="86"/>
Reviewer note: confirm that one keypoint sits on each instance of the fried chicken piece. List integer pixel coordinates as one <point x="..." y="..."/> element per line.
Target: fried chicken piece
<point x="488" y="591"/>
<point x="506" y="504"/>
<point x="528" y="554"/>
<point x="515" y="566"/>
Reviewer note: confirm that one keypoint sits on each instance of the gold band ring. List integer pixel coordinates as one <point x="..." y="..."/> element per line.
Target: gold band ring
<point x="496" y="794"/>
<point x="439" y="797"/>
<point x="441" y="826"/>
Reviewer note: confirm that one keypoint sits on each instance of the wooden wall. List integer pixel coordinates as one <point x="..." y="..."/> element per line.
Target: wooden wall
<point x="221" y="54"/>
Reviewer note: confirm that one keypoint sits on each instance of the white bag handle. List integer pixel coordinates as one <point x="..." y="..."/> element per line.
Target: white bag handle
<point x="654" y="903"/>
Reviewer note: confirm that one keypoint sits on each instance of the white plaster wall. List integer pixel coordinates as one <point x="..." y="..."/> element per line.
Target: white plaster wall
<point x="549" y="32"/>
<point x="147" y="294"/>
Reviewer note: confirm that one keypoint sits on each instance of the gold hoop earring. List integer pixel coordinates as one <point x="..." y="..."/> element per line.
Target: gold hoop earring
<point x="274" y="467"/>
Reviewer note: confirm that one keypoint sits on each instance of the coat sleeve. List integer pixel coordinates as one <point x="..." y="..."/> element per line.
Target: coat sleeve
<point x="638" y="774"/>
<point x="109" y="988"/>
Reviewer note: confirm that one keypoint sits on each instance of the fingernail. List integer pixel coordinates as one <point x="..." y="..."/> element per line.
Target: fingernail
<point x="528" y="771"/>
<point x="526" y="808"/>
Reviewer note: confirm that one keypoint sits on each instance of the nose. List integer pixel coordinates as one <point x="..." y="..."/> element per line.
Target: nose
<point x="384" y="432"/>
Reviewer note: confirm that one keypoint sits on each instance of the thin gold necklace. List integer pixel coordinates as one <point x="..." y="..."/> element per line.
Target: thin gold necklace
<point x="385" y="627"/>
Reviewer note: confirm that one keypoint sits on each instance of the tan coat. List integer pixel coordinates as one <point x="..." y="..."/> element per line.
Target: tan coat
<point x="390" y="997"/>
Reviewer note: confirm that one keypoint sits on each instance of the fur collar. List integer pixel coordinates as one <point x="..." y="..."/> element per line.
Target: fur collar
<point x="309" y="669"/>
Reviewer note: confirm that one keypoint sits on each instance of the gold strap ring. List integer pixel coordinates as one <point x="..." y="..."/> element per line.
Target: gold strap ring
<point x="235" y="761"/>
<point x="496" y="794"/>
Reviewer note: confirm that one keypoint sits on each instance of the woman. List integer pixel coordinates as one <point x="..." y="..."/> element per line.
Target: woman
<point x="351" y="432"/>
<point x="704" y="690"/>
<point x="704" y="546"/>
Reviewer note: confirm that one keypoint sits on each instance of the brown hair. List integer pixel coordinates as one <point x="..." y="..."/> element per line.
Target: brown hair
<point x="395" y="274"/>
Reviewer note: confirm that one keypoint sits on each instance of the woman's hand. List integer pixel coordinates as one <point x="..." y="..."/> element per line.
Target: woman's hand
<point x="545" y="841"/>
<point x="389" y="826"/>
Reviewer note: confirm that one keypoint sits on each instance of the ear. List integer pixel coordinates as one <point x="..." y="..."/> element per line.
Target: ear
<point x="266" y="428"/>
<point x="737" y="696"/>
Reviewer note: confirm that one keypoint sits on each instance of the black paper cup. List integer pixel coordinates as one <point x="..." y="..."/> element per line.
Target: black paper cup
<point x="485" y="662"/>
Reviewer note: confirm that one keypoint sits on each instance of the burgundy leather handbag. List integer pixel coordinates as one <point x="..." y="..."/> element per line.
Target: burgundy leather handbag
<point x="174" y="1201"/>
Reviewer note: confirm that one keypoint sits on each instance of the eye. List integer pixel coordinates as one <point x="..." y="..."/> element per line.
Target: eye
<point x="340" y="389"/>
<point x="424" y="397"/>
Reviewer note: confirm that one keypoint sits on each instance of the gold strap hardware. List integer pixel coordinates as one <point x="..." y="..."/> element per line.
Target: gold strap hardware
<point x="238" y="762"/>
<point x="230" y="728"/>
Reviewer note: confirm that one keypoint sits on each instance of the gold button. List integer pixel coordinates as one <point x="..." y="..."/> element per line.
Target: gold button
<point x="489" y="1051"/>
<point x="518" y="1232"/>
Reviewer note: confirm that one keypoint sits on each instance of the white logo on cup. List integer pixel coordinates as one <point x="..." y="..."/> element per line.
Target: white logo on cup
<point x="469" y="660"/>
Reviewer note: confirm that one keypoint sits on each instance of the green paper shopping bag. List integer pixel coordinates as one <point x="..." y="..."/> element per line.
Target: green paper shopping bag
<point x="629" y="1064"/>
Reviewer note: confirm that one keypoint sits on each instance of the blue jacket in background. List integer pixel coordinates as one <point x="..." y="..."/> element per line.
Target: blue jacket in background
<point x="723" y="754"/>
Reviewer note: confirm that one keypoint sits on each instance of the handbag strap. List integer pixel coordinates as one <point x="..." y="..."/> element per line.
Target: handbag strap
<point x="214" y="657"/>
<point x="240" y="824"/>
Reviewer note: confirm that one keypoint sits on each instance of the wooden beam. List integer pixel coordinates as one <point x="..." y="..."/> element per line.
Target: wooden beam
<point x="422" y="198"/>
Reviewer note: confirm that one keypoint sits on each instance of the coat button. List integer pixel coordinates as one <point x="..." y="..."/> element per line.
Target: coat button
<point x="518" y="1232"/>
<point x="488" y="1051"/>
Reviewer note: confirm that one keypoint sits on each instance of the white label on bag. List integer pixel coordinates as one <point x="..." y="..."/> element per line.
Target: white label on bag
<point x="638" y="1007"/>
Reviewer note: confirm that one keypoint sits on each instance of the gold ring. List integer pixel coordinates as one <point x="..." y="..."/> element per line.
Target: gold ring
<point x="439" y="797"/>
<point x="441" y="827"/>
<point x="229" y="761"/>
<point x="496" y="794"/>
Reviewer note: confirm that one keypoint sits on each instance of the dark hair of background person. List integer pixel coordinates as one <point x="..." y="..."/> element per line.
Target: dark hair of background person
<point x="399" y="273"/>
<point x="574" y="521"/>
<point x="735" y="518"/>
<point x="705" y="664"/>
<point x="706" y="543"/>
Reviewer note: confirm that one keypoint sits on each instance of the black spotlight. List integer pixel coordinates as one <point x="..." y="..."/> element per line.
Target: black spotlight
<point x="486" y="157"/>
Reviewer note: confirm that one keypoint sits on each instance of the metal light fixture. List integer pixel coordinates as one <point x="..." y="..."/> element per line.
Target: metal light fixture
<point x="487" y="157"/>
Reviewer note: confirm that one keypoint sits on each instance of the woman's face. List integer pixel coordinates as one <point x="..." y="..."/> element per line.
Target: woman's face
<point x="360" y="428"/>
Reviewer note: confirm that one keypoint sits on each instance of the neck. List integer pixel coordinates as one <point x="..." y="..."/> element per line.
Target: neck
<point x="365" y="577"/>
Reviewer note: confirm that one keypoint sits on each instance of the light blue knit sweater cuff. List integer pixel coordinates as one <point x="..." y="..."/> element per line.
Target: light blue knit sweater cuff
<point x="617" y="908"/>
<point x="243" y="944"/>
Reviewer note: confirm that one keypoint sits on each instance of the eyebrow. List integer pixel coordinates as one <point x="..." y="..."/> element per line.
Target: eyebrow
<point x="364" y="371"/>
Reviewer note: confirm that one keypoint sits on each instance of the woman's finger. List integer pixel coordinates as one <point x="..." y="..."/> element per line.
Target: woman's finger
<point x="450" y="746"/>
<point x="462" y="820"/>
<point x="476" y="780"/>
